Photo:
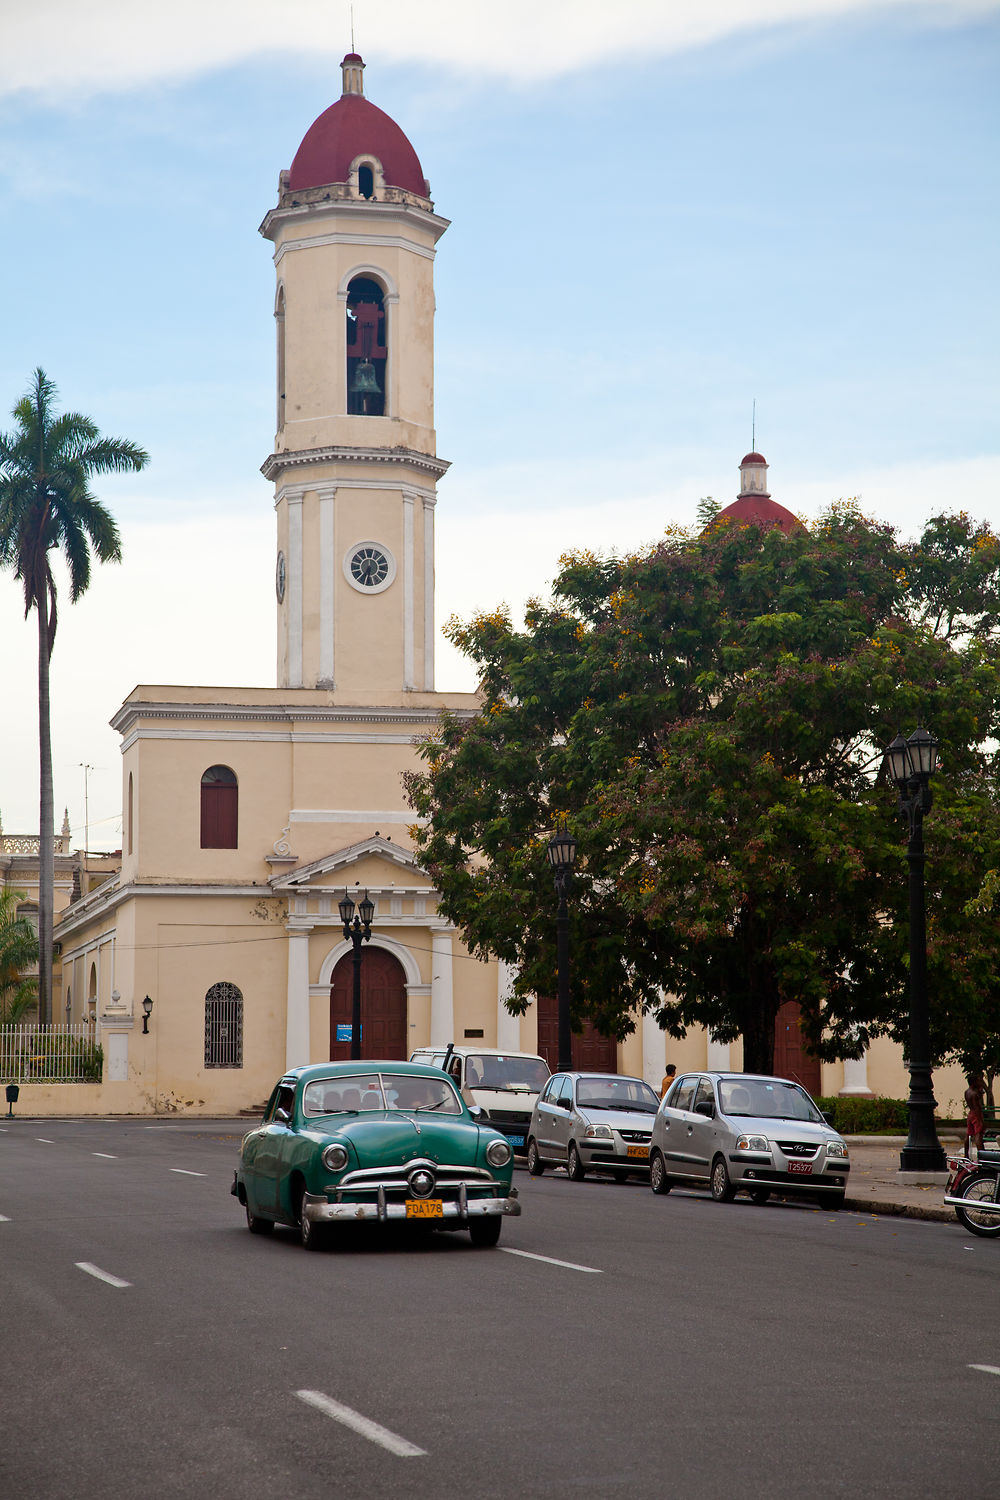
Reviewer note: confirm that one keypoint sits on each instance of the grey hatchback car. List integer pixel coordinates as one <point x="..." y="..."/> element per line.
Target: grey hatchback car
<point x="742" y="1131"/>
<point x="592" y="1122"/>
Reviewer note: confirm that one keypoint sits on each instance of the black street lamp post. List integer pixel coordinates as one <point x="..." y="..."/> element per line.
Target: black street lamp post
<point x="562" y="857"/>
<point x="357" y="930"/>
<point x="911" y="764"/>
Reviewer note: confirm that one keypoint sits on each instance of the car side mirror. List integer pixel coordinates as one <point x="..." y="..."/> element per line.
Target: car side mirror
<point x="705" y="1107"/>
<point x="282" y="1116"/>
<point x="828" y="1116"/>
<point x="476" y="1111"/>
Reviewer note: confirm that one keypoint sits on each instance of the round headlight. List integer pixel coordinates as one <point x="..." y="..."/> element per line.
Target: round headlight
<point x="335" y="1157"/>
<point x="498" y="1153"/>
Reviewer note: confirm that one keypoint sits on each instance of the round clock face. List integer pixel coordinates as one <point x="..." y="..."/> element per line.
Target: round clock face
<point x="279" y="577"/>
<point x="370" y="567"/>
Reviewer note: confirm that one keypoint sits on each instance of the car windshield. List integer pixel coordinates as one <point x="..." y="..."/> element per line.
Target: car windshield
<point x="616" y="1093"/>
<point x="523" y="1075"/>
<point x="361" y="1093"/>
<point x="767" y="1099"/>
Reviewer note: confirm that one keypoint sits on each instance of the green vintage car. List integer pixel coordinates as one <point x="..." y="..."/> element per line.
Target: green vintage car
<point x="385" y="1141"/>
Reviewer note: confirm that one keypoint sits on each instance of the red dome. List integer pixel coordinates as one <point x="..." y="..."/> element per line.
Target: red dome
<point x="759" y="510"/>
<point x="355" y="127"/>
<point x="753" y="458"/>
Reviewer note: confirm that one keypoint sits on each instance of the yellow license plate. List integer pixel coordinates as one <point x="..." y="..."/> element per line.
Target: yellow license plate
<point x="424" y="1208"/>
<point x="641" y="1153"/>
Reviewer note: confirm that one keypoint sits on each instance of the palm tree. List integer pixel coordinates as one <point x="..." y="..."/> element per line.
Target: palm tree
<point x="45" y="505"/>
<point x="18" y="952"/>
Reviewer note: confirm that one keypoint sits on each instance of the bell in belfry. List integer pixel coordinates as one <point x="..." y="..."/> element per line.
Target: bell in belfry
<point x="364" y="381"/>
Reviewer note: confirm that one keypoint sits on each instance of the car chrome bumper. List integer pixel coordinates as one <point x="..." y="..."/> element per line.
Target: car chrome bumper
<point x="319" y="1210"/>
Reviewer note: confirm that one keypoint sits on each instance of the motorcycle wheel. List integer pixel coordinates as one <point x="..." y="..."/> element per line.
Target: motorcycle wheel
<point x="983" y="1187"/>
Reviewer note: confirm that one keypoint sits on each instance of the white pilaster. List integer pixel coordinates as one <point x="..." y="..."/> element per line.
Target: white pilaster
<point x="327" y="581"/>
<point x="856" y="1077"/>
<point x="429" y="504"/>
<point x="297" y="1013"/>
<point x="717" y="1056"/>
<point x="442" y="989"/>
<point x="294" y="588"/>
<point x="654" y="1051"/>
<point x="508" y="1026"/>
<point x="408" y="620"/>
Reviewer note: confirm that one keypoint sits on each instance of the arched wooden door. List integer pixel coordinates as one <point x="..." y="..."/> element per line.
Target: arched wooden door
<point x="791" y="1060"/>
<point x="592" y="1052"/>
<point x="383" y="1006"/>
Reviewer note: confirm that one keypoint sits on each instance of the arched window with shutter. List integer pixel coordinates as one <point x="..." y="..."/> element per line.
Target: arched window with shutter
<point x="220" y="794"/>
<point x="224" y="1026"/>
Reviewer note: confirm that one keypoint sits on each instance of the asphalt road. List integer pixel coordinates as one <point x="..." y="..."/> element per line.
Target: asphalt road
<point x="667" y="1345"/>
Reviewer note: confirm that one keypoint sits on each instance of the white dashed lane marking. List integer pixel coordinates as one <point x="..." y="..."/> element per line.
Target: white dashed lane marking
<point x="4" y="1219"/>
<point x="363" y="1425"/>
<point x="987" y="1369"/>
<point x="44" y="1140"/>
<point x="91" y="1270"/>
<point x="106" y="1154"/>
<point x="186" y="1173"/>
<point x="567" y="1265"/>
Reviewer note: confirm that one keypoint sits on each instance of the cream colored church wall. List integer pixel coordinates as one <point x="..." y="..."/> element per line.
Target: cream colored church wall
<point x="316" y="333"/>
<point x="191" y="956"/>
<point x="168" y="799"/>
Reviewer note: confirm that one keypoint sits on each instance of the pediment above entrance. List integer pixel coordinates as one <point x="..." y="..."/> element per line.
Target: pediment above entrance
<point x="376" y="863"/>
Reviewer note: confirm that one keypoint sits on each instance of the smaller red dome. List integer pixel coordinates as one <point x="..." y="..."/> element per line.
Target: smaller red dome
<point x="753" y="458"/>
<point x="352" y="57"/>
<point x="350" y="128"/>
<point x="760" y="510"/>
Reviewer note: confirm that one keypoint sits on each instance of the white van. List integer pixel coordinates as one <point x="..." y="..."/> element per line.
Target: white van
<point x="505" y="1085"/>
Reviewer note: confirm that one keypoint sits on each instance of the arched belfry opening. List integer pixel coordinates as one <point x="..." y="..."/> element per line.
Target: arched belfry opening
<point x="366" y="348"/>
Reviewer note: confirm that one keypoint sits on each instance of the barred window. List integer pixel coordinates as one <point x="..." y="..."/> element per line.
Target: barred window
<point x="224" y="1026"/>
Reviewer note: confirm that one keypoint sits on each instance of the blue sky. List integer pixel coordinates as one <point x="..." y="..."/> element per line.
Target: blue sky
<point x="644" y="241"/>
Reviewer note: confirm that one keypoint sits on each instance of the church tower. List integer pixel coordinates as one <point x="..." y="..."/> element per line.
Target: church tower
<point x="354" y="465"/>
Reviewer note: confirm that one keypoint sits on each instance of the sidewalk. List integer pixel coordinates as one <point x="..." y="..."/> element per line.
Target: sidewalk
<point x="874" y="1186"/>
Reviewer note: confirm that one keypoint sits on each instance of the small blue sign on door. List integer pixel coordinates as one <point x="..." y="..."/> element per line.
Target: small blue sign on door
<point x="344" y="1031"/>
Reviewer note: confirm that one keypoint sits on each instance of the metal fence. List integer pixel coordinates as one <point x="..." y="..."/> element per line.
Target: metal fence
<point x="50" y="1054"/>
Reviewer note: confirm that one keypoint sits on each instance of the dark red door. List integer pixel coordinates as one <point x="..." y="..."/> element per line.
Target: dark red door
<point x="592" y="1052"/>
<point x="791" y="1060"/>
<point x="383" y="1005"/>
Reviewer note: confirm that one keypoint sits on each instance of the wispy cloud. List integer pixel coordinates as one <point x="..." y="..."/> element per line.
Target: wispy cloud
<point x="63" y="50"/>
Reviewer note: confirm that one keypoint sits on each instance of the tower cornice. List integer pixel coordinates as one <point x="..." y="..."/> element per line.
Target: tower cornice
<point x="279" y="463"/>
<point x="339" y="200"/>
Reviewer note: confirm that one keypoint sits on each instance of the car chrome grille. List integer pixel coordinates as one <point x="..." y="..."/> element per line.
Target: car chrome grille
<point x="637" y="1137"/>
<point x="450" y="1181"/>
<point x="799" y="1150"/>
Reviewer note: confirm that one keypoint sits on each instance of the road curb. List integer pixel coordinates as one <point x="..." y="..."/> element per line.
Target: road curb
<point x="886" y="1208"/>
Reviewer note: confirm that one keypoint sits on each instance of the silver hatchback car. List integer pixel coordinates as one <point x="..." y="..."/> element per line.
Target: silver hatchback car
<point x="733" y="1131"/>
<point x="592" y="1122"/>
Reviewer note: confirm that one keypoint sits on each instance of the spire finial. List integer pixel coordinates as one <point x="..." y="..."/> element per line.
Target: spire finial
<point x="753" y="428"/>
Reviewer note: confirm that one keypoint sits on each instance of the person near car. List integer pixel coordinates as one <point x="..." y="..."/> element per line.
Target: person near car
<point x="976" y="1119"/>
<point x="668" y="1078"/>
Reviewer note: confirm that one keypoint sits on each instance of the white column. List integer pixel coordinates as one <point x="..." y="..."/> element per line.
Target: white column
<point x="716" y="1056"/>
<point x="442" y="991"/>
<point x="508" y="1026"/>
<point x="327" y="581"/>
<point x="856" y="1076"/>
<point x="297" y="1013"/>
<point x="408" y="620"/>
<point x="654" y="1052"/>
<point x="429" y="503"/>
<point x="294" y="588"/>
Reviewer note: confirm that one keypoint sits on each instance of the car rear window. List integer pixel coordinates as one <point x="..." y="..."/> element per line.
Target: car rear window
<point x="683" y="1095"/>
